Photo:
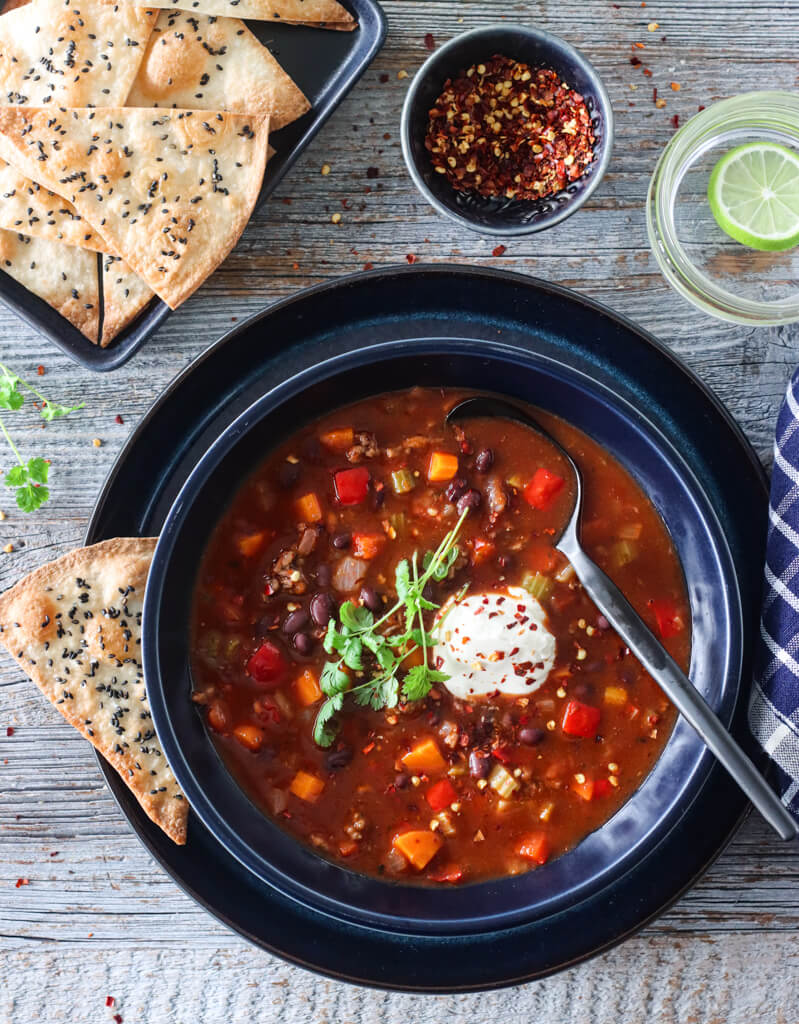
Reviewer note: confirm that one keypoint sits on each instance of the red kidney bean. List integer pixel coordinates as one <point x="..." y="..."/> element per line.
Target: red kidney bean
<point x="484" y="460"/>
<point x="338" y="758"/>
<point x="471" y="500"/>
<point x="455" y="488"/>
<point x="323" y="609"/>
<point x="371" y="599"/>
<point x="288" y="475"/>
<point x="531" y="736"/>
<point x="303" y="643"/>
<point x="401" y="780"/>
<point x="295" y="621"/>
<point x="479" y="764"/>
<point x="342" y="540"/>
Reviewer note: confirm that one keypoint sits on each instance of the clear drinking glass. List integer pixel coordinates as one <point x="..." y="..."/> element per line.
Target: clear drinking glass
<point x="712" y="270"/>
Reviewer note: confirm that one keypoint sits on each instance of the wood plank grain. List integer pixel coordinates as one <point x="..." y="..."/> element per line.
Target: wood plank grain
<point x="726" y="953"/>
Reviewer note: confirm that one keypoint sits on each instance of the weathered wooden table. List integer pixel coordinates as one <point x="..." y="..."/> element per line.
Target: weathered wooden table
<point x="99" y="917"/>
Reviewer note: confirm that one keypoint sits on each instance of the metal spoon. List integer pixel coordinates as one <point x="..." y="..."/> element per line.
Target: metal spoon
<point x="639" y="638"/>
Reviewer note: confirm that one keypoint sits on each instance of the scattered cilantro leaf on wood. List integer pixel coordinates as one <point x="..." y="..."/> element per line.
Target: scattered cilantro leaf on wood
<point x="28" y="478"/>
<point x="358" y="632"/>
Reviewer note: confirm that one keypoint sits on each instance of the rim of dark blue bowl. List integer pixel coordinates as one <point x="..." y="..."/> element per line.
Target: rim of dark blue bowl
<point x="434" y="66"/>
<point x="207" y="808"/>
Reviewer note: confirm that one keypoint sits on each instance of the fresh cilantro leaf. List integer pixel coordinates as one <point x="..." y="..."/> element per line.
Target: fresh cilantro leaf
<point x="16" y="476"/>
<point x="333" y="680"/>
<point x="54" y="411"/>
<point x="38" y="470"/>
<point x="355" y="617"/>
<point x="10" y="395"/>
<point x="31" y="497"/>
<point x="402" y="580"/>
<point x="351" y="653"/>
<point x="326" y="727"/>
<point x="419" y="680"/>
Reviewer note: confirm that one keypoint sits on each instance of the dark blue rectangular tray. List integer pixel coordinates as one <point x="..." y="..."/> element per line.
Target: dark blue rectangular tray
<point x="325" y="64"/>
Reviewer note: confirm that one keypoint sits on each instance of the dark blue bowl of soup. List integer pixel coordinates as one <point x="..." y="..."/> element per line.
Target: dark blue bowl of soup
<point x="560" y="382"/>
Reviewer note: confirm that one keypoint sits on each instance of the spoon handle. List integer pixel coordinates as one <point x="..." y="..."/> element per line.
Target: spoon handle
<point x="680" y="690"/>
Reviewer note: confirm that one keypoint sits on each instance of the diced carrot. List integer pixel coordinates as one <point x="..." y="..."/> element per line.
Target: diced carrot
<point x="338" y="440"/>
<point x="535" y="846"/>
<point x="447" y="873"/>
<point x="442" y="466"/>
<point x="306" y="786"/>
<point x="252" y="543"/>
<point x="308" y="508"/>
<point x="307" y="688"/>
<point x="616" y="695"/>
<point x="367" y="545"/>
<point x="584" y="789"/>
<point x="249" y="736"/>
<point x="483" y="550"/>
<point x="424" y="757"/>
<point x="418" y="847"/>
<point x="441" y="794"/>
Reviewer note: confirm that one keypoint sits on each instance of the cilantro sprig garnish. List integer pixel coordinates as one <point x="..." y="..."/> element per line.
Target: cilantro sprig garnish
<point x="29" y="477"/>
<point x="358" y="635"/>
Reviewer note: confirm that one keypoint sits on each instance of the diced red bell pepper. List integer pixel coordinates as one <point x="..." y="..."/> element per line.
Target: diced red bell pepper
<point x="601" y="788"/>
<point x="543" y="488"/>
<point x="268" y="666"/>
<point x="535" y="847"/>
<point x="352" y="485"/>
<point x="668" y="619"/>
<point x="483" y="550"/>
<point x="448" y="873"/>
<point x="586" y="789"/>
<point x="581" y="719"/>
<point x="441" y="794"/>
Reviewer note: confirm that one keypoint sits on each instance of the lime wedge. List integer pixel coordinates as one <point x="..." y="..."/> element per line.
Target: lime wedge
<point x="754" y="195"/>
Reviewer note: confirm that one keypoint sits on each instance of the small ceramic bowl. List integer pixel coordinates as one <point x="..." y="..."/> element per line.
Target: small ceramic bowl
<point x="504" y="217"/>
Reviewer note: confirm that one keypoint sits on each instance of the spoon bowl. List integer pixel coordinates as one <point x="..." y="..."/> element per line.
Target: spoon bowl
<point x="632" y="629"/>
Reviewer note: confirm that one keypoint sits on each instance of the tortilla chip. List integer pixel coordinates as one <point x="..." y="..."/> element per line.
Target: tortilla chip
<point x="74" y="626"/>
<point x="26" y="206"/>
<point x="71" y="52"/>
<point x="170" y="191"/>
<point x="124" y="296"/>
<point x="316" y="13"/>
<point x="65" y="277"/>
<point x="194" y="61"/>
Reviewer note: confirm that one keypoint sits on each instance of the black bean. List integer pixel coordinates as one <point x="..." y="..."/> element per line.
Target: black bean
<point x="531" y="736"/>
<point x="288" y="474"/>
<point x="294" y="621"/>
<point x="479" y="764"/>
<point x="323" y="609"/>
<point x="378" y="497"/>
<point x="484" y="460"/>
<point x="401" y="780"/>
<point x="341" y="540"/>
<point x="371" y="599"/>
<point x="505" y="561"/>
<point x="338" y="758"/>
<point x="471" y="500"/>
<point x="324" y="574"/>
<point x="581" y="690"/>
<point x="455" y="488"/>
<point x="602" y="622"/>
<point x="303" y="643"/>
<point x="312" y="450"/>
<point x="267" y="622"/>
<point x="428" y="591"/>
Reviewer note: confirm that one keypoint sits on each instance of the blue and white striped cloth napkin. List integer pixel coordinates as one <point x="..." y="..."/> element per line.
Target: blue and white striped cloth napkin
<point x="774" y="708"/>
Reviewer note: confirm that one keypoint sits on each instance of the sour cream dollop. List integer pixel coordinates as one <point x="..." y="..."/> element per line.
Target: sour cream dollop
<point x="493" y="642"/>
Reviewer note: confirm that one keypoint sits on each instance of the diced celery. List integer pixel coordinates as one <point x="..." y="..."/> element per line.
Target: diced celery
<point x="402" y="480"/>
<point x="516" y="481"/>
<point x="397" y="520"/>
<point x="502" y="782"/>
<point x="624" y="552"/>
<point x="537" y="585"/>
<point x="232" y="646"/>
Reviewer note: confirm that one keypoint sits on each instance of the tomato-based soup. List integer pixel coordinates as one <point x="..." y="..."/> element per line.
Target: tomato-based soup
<point x="435" y="721"/>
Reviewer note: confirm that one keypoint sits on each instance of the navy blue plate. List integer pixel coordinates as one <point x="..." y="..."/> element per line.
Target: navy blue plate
<point x="599" y="353"/>
<point x="326" y="65"/>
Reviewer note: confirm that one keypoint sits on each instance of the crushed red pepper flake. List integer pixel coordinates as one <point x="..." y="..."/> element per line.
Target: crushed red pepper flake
<point x="118" y="419"/>
<point x="410" y="258"/>
<point x="429" y="41"/>
<point x="23" y="881"/>
<point x="372" y="172"/>
<point x="117" y="1018"/>
<point x="384" y="78"/>
<point x="40" y="370"/>
<point x="499" y="250"/>
<point x="676" y="121"/>
<point x="109" y="1000"/>
<point x="10" y="730"/>
<point x="635" y="61"/>
<point x="368" y="266"/>
<point x="503" y="129"/>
